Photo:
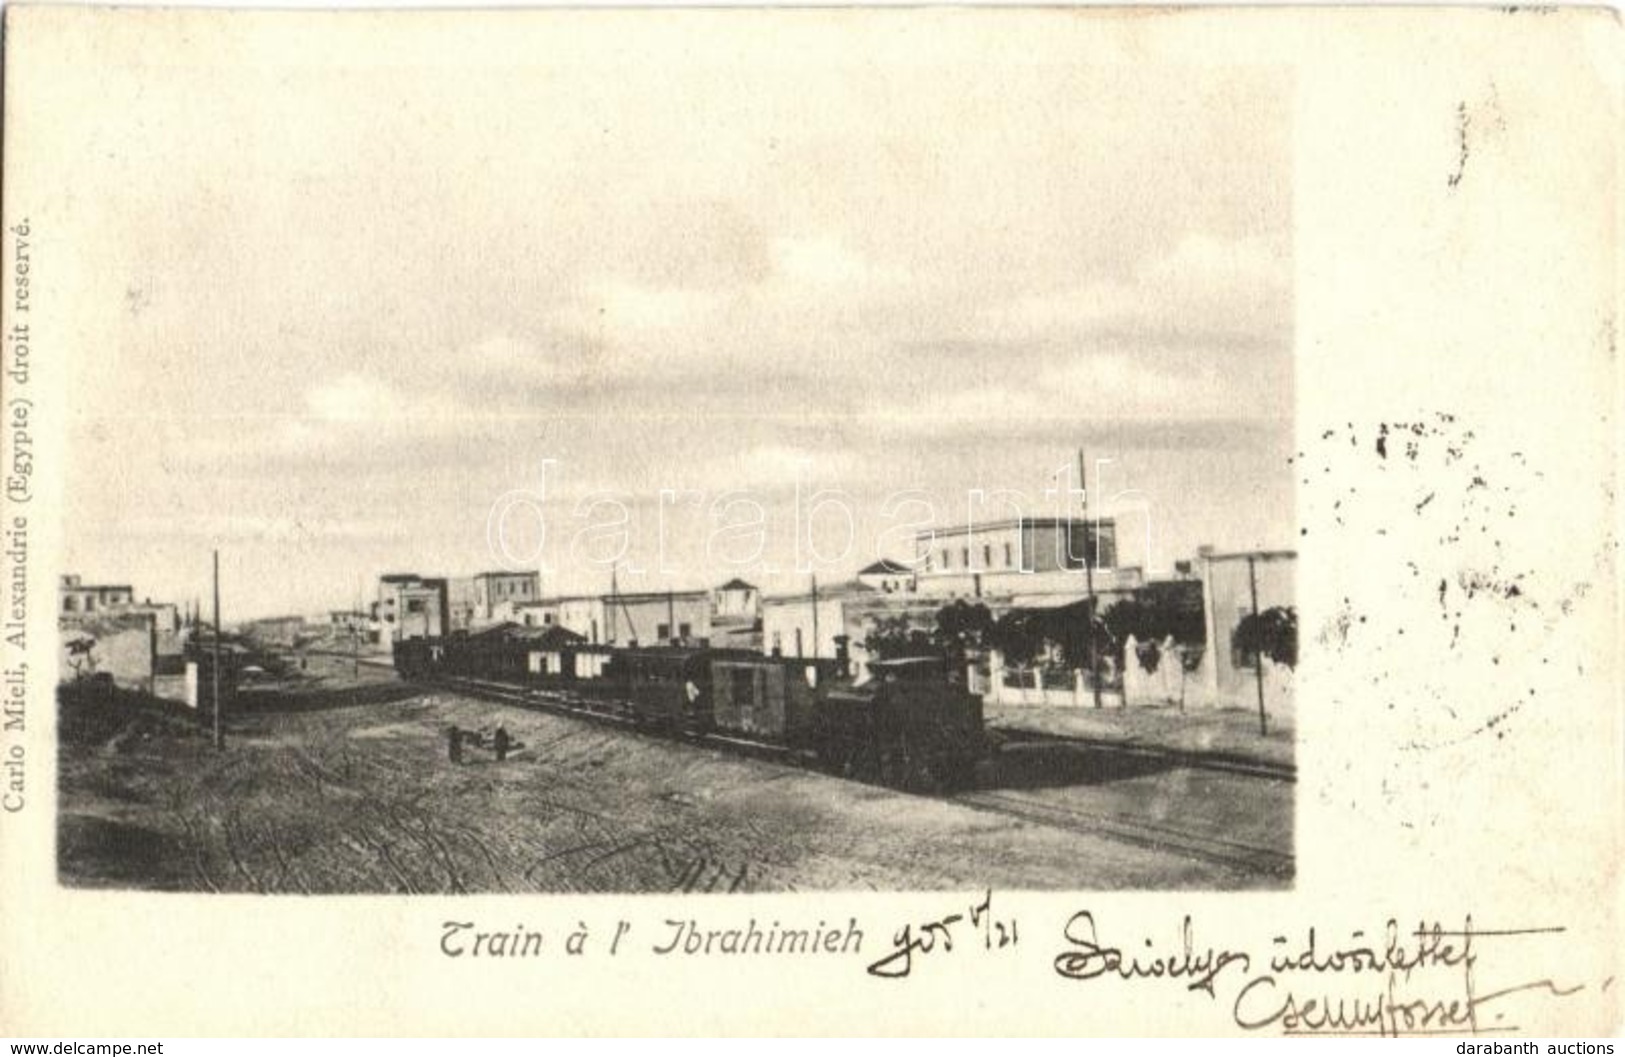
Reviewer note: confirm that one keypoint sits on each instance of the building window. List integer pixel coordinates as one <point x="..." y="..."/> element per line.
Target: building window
<point x="798" y="642"/>
<point x="946" y="564"/>
<point x="662" y="632"/>
<point x="547" y="618"/>
<point x="70" y="604"/>
<point x="1009" y="558"/>
<point x="964" y="553"/>
<point x="415" y="605"/>
<point x="683" y="631"/>
<point x="987" y="555"/>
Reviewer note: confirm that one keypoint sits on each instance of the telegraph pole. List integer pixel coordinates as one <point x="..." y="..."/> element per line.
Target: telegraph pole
<point x="1258" y="659"/>
<point x="355" y="633"/>
<point x="615" y="599"/>
<point x="1089" y="578"/>
<point x="216" y="665"/>
<point x="815" y="616"/>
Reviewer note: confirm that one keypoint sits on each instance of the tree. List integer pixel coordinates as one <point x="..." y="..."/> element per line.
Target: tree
<point x="1018" y="636"/>
<point x="1027" y="636"/>
<point x="963" y="627"/>
<point x="82" y="656"/>
<point x="896" y="636"/>
<point x="1274" y="633"/>
<point x="1152" y="617"/>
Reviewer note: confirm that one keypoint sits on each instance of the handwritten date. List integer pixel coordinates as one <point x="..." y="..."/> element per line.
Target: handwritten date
<point x="939" y="934"/>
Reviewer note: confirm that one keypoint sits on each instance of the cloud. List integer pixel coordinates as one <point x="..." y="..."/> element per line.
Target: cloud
<point x="353" y="399"/>
<point x="284" y="528"/>
<point x="671" y="242"/>
<point x="826" y="261"/>
<point x="779" y="467"/>
<point x="1218" y="293"/>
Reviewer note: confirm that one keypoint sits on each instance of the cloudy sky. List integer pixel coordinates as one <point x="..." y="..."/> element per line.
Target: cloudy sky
<point x="348" y="305"/>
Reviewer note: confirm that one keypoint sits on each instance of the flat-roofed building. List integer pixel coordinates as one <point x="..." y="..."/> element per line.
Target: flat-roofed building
<point x="75" y="597"/>
<point x="410" y="606"/>
<point x="1026" y="555"/>
<point x="644" y="618"/>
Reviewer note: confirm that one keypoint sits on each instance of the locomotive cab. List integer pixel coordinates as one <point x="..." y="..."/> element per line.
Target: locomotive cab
<point x="908" y="724"/>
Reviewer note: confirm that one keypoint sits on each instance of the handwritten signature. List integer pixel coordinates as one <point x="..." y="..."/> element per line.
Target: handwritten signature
<point x="1406" y="983"/>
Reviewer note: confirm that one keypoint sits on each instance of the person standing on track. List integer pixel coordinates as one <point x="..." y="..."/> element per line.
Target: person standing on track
<point x="454" y="744"/>
<point x="501" y="742"/>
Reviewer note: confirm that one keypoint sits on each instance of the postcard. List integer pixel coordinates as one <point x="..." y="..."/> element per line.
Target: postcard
<point x="811" y="521"/>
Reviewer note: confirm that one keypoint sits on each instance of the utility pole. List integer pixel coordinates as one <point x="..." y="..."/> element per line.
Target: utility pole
<point x="355" y="633"/>
<point x="216" y="665"/>
<point x="815" y="616"/>
<point x="1089" y="578"/>
<point x="1258" y="657"/>
<point x="614" y="599"/>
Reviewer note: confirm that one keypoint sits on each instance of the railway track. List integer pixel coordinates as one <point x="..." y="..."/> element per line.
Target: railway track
<point x="1204" y="761"/>
<point x="594" y="710"/>
<point x="1248" y="858"/>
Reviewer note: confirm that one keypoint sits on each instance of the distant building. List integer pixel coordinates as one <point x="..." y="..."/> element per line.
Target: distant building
<point x="494" y="590"/>
<point x="275" y="631"/>
<point x="847" y="615"/>
<point x="111" y="645"/>
<point x="81" y="605"/>
<point x="736" y="616"/>
<point x="809" y="625"/>
<point x="489" y="598"/>
<point x="542" y="613"/>
<point x="461" y="609"/>
<point x="646" y="618"/>
<point x="410" y="606"/>
<point x="77" y="597"/>
<point x="888" y="576"/>
<point x="654" y="618"/>
<point x="1028" y="555"/>
<point x="738" y="600"/>
<point x="350" y="625"/>
<point x="169" y="640"/>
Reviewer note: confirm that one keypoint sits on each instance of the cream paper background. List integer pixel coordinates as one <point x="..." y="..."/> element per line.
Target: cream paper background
<point x="1494" y="300"/>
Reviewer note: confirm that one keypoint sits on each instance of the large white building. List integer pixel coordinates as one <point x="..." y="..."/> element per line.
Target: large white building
<point x="1021" y="556"/>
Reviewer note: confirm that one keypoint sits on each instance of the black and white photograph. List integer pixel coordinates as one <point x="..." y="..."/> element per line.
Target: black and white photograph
<point x="702" y="478"/>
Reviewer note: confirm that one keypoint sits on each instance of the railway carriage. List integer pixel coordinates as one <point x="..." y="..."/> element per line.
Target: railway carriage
<point x="665" y="687"/>
<point x="773" y="699"/>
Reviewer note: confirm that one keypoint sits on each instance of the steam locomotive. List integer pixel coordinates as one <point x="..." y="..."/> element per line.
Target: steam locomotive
<point x="906" y="723"/>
